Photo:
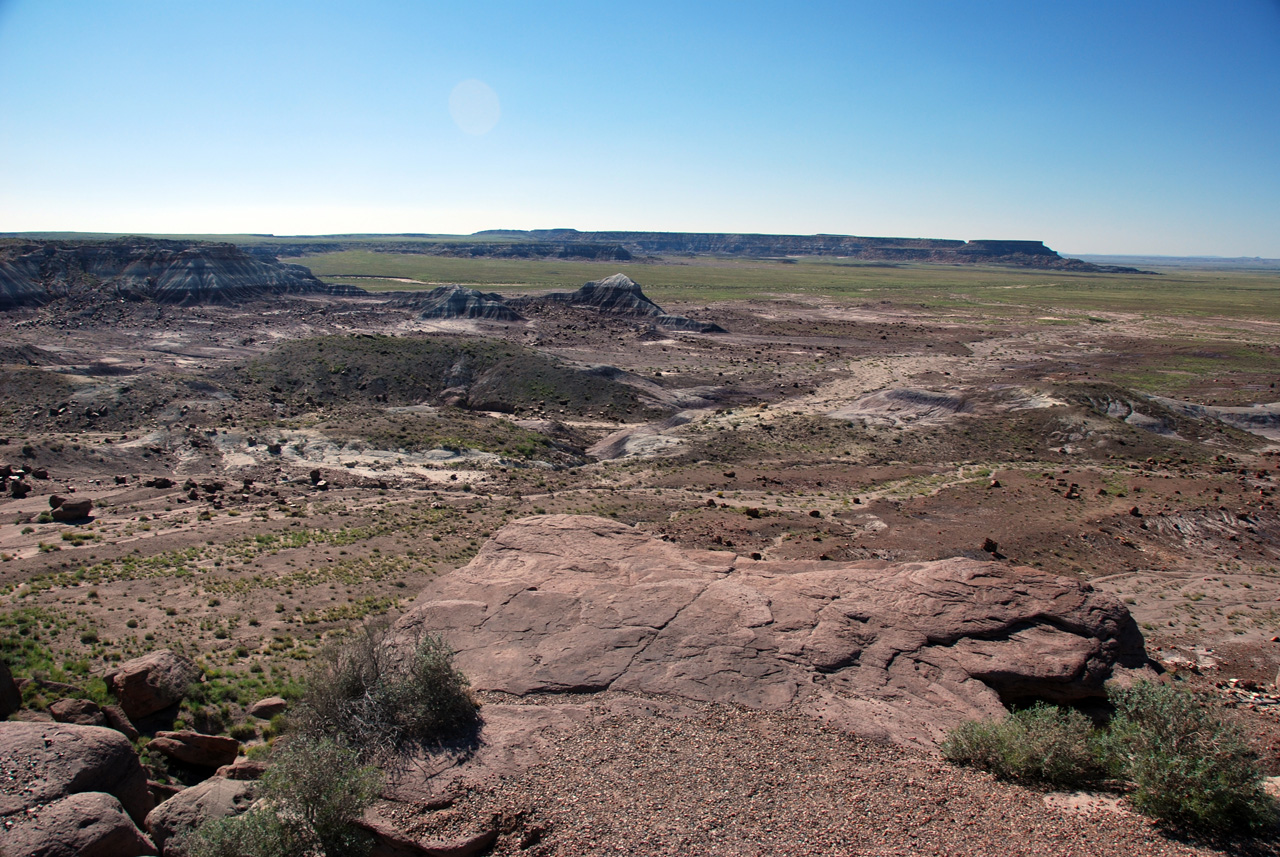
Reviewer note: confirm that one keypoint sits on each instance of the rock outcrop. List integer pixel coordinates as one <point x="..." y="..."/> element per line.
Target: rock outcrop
<point x="894" y="652"/>
<point x="91" y="824"/>
<point x="216" y="797"/>
<point x="152" y="682"/>
<point x="144" y="269"/>
<point x="46" y="762"/>
<point x="620" y="295"/>
<point x="457" y="302"/>
<point x="195" y="748"/>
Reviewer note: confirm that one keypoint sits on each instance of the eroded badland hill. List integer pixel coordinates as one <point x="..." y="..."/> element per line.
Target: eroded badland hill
<point x="741" y="539"/>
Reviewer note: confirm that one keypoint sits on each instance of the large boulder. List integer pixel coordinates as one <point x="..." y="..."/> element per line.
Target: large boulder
<point x="899" y="652"/>
<point x="85" y="712"/>
<point x="45" y="762"/>
<point x="10" y="696"/>
<point x="268" y="707"/>
<point x="91" y="824"/>
<point x="72" y="510"/>
<point x="152" y="682"/>
<point x="194" y="748"/>
<point x="214" y="798"/>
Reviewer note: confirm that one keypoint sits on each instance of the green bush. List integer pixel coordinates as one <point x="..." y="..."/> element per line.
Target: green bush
<point x="1038" y="744"/>
<point x="256" y="833"/>
<point x="1187" y="765"/>
<point x="381" y="700"/>
<point x="314" y="790"/>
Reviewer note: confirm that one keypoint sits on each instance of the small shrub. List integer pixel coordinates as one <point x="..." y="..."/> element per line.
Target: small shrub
<point x="243" y="732"/>
<point x="314" y="790"/>
<point x="381" y="701"/>
<point x="1043" y="743"/>
<point x="1188" y="766"/>
<point x="256" y="833"/>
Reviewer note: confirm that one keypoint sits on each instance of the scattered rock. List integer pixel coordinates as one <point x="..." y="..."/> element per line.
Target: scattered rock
<point x="18" y="489"/>
<point x="152" y="682"/>
<point x="267" y="708"/>
<point x="73" y="510"/>
<point x="159" y="482"/>
<point x="214" y="798"/>
<point x="45" y="762"/>
<point x="196" y="748"/>
<point x="85" y="712"/>
<point x="242" y="769"/>
<point x="91" y="824"/>
<point x="990" y="546"/>
<point x="898" y="652"/>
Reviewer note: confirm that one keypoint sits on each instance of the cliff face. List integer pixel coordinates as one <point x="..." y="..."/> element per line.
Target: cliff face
<point x="172" y="272"/>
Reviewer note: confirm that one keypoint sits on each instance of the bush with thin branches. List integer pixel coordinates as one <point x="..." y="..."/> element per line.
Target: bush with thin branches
<point x="314" y="791"/>
<point x="1042" y="743"/>
<point x="382" y="700"/>
<point x="1188" y="766"/>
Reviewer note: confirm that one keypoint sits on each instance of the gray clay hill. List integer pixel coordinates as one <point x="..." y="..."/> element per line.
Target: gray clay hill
<point x="144" y="269"/>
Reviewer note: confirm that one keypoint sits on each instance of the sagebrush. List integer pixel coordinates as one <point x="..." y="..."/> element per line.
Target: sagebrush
<point x="314" y="791"/>
<point x="383" y="700"/>
<point x="1188" y="767"/>
<point x="1043" y="743"/>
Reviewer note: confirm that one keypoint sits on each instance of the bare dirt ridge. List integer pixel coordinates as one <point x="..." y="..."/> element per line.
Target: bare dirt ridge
<point x="246" y="526"/>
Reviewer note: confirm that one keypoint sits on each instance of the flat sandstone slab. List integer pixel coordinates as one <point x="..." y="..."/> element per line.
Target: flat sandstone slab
<point x="895" y="652"/>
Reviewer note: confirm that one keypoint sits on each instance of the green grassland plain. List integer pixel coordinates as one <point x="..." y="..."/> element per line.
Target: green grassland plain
<point x="993" y="291"/>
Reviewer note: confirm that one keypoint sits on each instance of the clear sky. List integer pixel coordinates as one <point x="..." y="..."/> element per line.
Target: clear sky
<point x="1124" y="126"/>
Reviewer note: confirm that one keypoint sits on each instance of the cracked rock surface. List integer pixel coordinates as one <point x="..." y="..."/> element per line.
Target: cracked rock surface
<point x="892" y="652"/>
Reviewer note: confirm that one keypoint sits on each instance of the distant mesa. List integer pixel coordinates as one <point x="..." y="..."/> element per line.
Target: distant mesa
<point x="457" y="302"/>
<point x="624" y="246"/>
<point x="1024" y="254"/>
<point x="146" y="269"/>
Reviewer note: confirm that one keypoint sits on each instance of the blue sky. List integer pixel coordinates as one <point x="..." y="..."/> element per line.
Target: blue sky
<point x="1098" y="127"/>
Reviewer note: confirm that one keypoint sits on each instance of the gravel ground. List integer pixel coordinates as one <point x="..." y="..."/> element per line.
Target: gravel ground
<point x="718" y="780"/>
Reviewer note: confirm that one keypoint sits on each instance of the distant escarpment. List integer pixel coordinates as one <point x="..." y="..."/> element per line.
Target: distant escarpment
<point x="1026" y="254"/>
<point x="144" y="269"/>
<point x="623" y="246"/>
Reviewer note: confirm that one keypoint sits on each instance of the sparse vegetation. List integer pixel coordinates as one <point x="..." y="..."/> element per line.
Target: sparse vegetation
<point x="315" y="789"/>
<point x="1043" y="743"/>
<point x="382" y="700"/>
<point x="1188" y="767"/>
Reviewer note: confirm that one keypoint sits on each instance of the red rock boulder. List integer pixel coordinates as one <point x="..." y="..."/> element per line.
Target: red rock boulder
<point x="152" y="682"/>
<point x="45" y="762"/>
<point x="195" y="748"/>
